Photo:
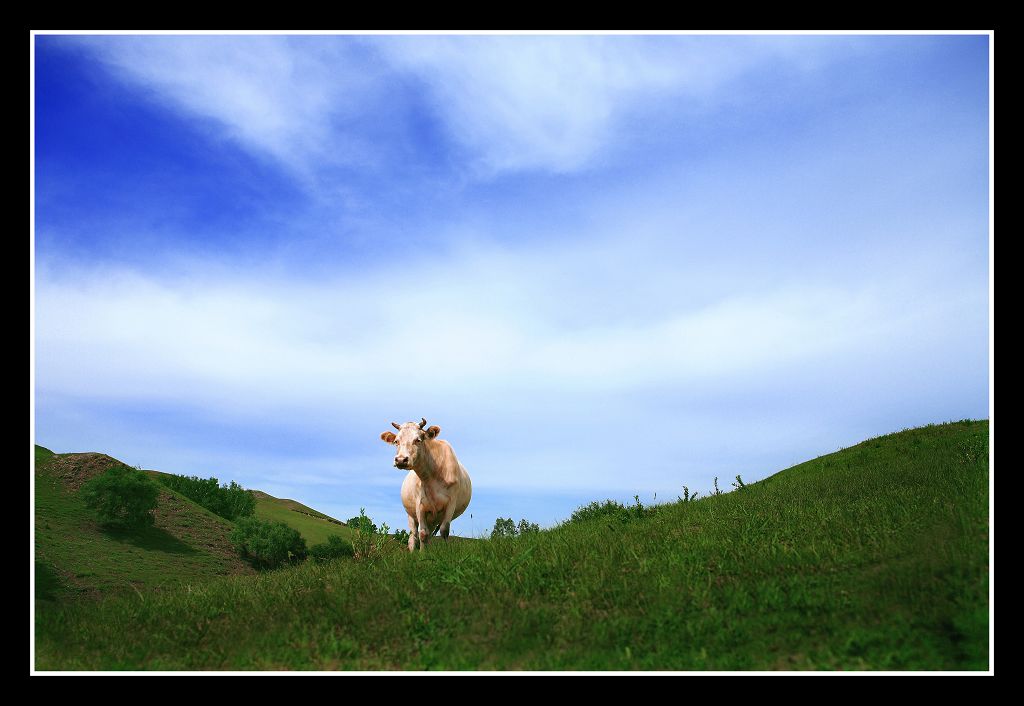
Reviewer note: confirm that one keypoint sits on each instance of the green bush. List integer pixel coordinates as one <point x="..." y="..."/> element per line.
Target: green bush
<point x="506" y="527"/>
<point x="230" y="501"/>
<point x="369" y="540"/>
<point x="503" y="527"/>
<point x="334" y="548"/>
<point x="122" y="496"/>
<point x="608" y="510"/>
<point x="402" y="536"/>
<point x="362" y="523"/>
<point x="613" y="510"/>
<point x="267" y="545"/>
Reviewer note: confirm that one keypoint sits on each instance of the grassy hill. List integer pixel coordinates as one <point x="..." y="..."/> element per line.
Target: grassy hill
<point x="314" y="526"/>
<point x="873" y="557"/>
<point x="78" y="557"/>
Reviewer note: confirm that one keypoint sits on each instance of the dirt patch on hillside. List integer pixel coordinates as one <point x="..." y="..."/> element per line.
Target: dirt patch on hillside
<point x="75" y="469"/>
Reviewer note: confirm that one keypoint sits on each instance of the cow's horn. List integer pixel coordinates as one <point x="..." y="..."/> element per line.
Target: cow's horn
<point x="423" y="422"/>
<point x="395" y="425"/>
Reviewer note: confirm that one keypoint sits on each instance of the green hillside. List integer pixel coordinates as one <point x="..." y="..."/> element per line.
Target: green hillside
<point x="314" y="526"/>
<point x="873" y="557"/>
<point x="78" y="557"/>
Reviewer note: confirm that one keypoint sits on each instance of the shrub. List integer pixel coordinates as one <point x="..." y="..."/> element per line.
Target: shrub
<point x="609" y="510"/>
<point x="506" y="527"/>
<point x="361" y="522"/>
<point x="369" y="540"/>
<point x="122" y="496"/>
<point x="402" y="536"/>
<point x="334" y="548"/>
<point x="503" y="527"/>
<point x="267" y="544"/>
<point x="231" y="501"/>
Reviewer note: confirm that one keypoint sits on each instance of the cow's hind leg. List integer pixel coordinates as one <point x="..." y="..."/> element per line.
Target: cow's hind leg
<point x="413" y="533"/>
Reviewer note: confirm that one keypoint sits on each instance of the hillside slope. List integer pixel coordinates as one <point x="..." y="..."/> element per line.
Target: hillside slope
<point x="78" y="557"/>
<point x="873" y="557"/>
<point x="314" y="526"/>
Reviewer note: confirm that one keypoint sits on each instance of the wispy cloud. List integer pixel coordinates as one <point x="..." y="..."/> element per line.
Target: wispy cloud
<point x="302" y="101"/>
<point x="553" y="104"/>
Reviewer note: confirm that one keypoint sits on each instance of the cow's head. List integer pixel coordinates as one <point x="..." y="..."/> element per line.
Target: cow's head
<point x="409" y="440"/>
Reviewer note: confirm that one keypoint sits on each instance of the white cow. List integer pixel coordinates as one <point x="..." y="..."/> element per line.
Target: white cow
<point x="437" y="489"/>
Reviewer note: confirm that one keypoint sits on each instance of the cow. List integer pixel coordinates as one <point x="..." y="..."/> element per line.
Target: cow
<point x="437" y="488"/>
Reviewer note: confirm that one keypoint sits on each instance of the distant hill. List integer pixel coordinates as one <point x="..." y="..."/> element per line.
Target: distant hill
<point x="188" y="544"/>
<point x="78" y="557"/>
<point x="313" y="525"/>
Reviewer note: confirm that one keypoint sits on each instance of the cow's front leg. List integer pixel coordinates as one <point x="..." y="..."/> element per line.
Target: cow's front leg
<point x="422" y="527"/>
<point x="413" y="531"/>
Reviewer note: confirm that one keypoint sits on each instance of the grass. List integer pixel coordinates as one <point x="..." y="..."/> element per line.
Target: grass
<point x="874" y="557"/>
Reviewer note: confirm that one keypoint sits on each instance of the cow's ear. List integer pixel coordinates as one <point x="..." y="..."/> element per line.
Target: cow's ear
<point x="433" y="431"/>
<point x="388" y="436"/>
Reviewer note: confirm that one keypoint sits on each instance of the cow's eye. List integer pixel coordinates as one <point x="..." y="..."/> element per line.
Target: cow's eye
<point x="417" y="441"/>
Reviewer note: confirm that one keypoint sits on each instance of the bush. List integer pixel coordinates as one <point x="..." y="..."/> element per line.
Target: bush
<point x="334" y="548"/>
<point x="231" y="501"/>
<point x="608" y="510"/>
<point x="503" y="527"/>
<point x="267" y="544"/>
<point x="369" y="540"/>
<point x="122" y="496"/>
<point x="362" y="523"/>
<point x="506" y="527"/>
<point x="402" y="536"/>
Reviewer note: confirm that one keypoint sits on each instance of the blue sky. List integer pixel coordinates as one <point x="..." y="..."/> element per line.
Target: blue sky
<point x="604" y="265"/>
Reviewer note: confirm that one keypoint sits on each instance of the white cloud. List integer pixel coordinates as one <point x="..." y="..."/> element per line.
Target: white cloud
<point x="465" y="328"/>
